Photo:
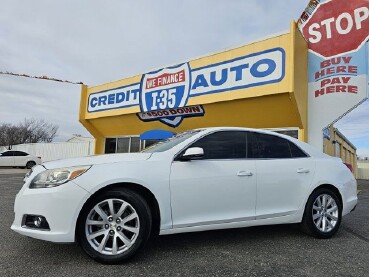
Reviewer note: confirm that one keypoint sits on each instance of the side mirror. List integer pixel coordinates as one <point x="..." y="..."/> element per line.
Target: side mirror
<point x="193" y="153"/>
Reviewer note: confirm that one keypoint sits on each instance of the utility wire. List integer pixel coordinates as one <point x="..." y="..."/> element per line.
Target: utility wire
<point x="40" y="77"/>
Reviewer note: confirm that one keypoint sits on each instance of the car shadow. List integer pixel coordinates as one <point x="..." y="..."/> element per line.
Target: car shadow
<point x="177" y="246"/>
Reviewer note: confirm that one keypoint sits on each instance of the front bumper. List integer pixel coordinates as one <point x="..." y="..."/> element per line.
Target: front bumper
<point x="60" y="206"/>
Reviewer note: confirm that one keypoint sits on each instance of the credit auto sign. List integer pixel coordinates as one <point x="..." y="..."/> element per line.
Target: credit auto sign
<point x="163" y="94"/>
<point x="337" y="26"/>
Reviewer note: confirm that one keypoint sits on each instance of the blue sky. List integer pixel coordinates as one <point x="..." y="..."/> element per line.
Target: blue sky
<point x="355" y="126"/>
<point x="100" y="41"/>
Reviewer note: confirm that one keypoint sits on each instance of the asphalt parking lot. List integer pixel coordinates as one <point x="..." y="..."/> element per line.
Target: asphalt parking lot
<point x="258" y="251"/>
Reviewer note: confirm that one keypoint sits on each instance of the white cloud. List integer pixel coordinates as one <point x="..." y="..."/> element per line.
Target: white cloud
<point x="55" y="102"/>
<point x="355" y="126"/>
<point x="363" y="152"/>
<point x="100" y="41"/>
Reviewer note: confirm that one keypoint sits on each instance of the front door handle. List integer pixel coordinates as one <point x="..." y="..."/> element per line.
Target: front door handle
<point x="303" y="170"/>
<point x="244" y="173"/>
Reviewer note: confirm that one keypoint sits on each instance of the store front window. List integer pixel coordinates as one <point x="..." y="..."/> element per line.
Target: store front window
<point x="150" y="142"/>
<point x="126" y="144"/>
<point x="110" y="145"/>
<point x="289" y="132"/>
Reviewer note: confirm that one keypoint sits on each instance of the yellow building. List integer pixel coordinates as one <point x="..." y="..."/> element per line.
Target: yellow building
<point x="276" y="100"/>
<point x="337" y="145"/>
<point x="260" y="85"/>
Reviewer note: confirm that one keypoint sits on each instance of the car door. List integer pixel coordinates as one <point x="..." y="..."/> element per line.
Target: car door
<point x="7" y="158"/>
<point x="20" y="158"/>
<point x="284" y="175"/>
<point x="219" y="188"/>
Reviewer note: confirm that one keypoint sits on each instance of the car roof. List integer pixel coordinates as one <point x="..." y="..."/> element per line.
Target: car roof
<point x="271" y="132"/>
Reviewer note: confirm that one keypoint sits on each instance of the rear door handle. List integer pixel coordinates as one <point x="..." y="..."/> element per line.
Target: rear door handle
<point x="303" y="170"/>
<point x="244" y="173"/>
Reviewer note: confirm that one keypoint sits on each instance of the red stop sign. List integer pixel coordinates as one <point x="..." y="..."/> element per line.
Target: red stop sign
<point x="337" y="27"/>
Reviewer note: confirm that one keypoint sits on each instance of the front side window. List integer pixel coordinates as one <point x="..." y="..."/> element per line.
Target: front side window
<point x="7" y="154"/>
<point x="223" y="145"/>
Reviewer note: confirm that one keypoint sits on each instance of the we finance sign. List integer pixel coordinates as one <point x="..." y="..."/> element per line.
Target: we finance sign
<point x="163" y="94"/>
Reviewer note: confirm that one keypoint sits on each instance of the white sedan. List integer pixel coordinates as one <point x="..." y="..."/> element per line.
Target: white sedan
<point x="18" y="159"/>
<point x="199" y="180"/>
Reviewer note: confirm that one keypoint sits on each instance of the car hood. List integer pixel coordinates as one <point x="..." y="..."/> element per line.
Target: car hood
<point x="98" y="159"/>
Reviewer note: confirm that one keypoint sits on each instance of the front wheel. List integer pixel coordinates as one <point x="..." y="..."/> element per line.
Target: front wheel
<point x="323" y="214"/>
<point x="114" y="226"/>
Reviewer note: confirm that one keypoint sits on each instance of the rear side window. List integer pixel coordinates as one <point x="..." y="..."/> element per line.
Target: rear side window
<point x="20" y="153"/>
<point x="274" y="147"/>
<point x="223" y="145"/>
<point x="296" y="152"/>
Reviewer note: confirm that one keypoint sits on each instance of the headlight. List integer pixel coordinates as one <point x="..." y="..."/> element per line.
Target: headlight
<point x="56" y="177"/>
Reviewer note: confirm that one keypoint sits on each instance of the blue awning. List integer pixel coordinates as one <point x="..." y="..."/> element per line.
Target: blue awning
<point x="156" y="134"/>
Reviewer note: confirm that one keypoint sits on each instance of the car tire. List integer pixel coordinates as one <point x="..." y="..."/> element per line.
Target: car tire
<point x="123" y="220"/>
<point x="323" y="214"/>
<point x="30" y="164"/>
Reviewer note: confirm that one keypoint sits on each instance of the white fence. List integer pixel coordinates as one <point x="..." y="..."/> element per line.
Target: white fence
<point x="362" y="173"/>
<point x="55" y="150"/>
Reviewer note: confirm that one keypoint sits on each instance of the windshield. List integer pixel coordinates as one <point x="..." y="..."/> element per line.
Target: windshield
<point x="171" y="142"/>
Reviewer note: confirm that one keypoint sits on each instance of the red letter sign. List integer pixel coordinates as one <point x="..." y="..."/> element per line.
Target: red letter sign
<point x="337" y="26"/>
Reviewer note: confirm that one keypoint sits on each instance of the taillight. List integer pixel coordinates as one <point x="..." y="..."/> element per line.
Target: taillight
<point x="349" y="166"/>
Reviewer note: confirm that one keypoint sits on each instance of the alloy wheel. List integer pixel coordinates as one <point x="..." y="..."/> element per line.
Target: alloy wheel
<point x="325" y="213"/>
<point x="112" y="227"/>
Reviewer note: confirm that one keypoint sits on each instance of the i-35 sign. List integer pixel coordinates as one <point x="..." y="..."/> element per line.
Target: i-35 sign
<point x="337" y="26"/>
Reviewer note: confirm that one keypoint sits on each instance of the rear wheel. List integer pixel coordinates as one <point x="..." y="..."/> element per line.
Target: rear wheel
<point x="114" y="226"/>
<point x="30" y="164"/>
<point x="323" y="214"/>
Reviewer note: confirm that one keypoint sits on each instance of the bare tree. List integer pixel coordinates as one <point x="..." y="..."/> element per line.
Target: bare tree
<point x="29" y="131"/>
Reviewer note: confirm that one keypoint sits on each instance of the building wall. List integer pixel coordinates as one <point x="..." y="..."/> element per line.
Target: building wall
<point x="339" y="146"/>
<point x="300" y="84"/>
